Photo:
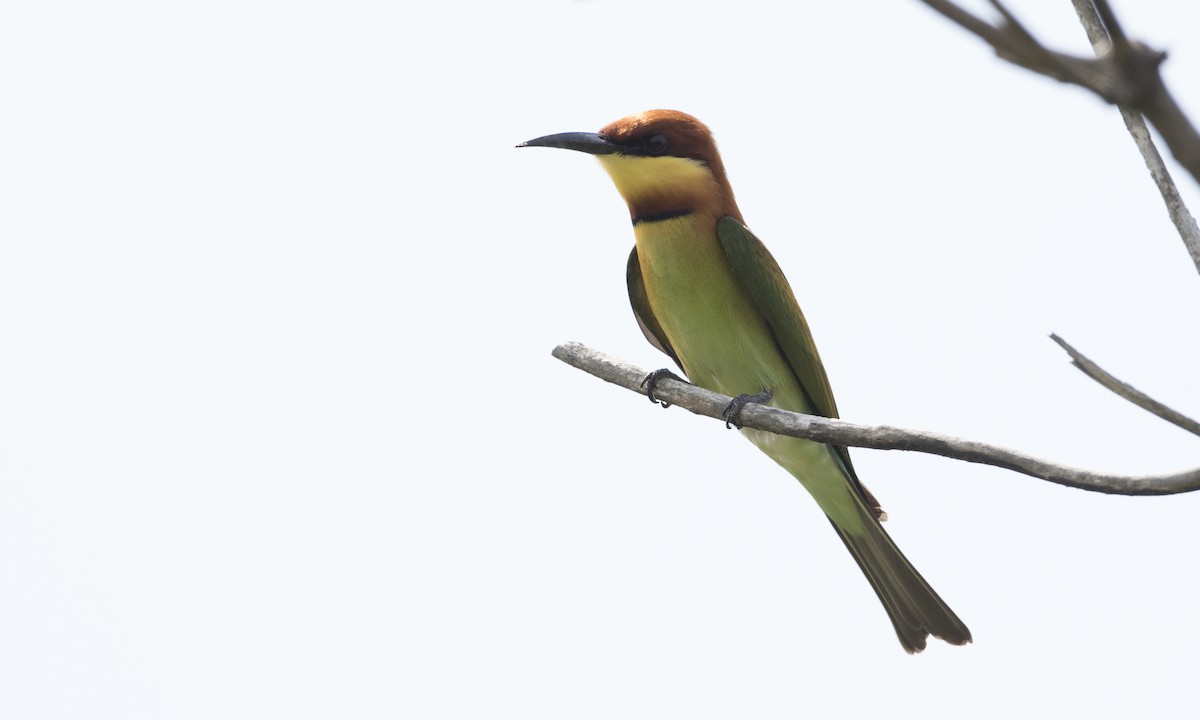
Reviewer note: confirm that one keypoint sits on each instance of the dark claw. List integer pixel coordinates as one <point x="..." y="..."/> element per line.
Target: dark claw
<point x="652" y="379"/>
<point x="734" y="408"/>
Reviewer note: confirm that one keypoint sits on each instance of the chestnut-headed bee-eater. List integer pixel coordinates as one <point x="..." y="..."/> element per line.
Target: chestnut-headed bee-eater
<point x="707" y="293"/>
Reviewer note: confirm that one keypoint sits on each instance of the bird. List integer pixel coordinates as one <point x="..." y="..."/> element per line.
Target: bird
<point x="706" y="292"/>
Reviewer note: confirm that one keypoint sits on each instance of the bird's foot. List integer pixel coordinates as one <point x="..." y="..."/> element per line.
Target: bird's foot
<point x="734" y="408"/>
<point x="650" y="381"/>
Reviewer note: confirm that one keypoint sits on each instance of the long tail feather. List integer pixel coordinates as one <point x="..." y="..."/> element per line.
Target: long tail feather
<point x="915" y="609"/>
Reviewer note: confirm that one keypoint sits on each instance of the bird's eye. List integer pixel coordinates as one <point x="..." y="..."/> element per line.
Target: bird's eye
<point x="656" y="144"/>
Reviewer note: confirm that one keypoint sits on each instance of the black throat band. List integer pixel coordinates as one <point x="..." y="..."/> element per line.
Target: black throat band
<point x="659" y="217"/>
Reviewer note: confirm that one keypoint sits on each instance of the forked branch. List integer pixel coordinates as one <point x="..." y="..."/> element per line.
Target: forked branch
<point x="1124" y="73"/>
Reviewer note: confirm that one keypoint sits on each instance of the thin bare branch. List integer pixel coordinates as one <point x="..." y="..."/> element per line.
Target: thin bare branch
<point x="966" y="20"/>
<point x="1105" y="14"/>
<point x="1127" y="391"/>
<point x="879" y="437"/>
<point x="1126" y="74"/>
<point x="1180" y="216"/>
<point x="1092" y="26"/>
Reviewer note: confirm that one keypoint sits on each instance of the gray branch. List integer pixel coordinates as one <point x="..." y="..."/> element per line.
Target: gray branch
<point x="1124" y="73"/>
<point x="1180" y="216"/>
<point x="878" y="437"/>
<point x="1127" y="391"/>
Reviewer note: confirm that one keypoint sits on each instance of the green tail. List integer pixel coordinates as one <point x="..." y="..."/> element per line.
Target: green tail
<point x="915" y="609"/>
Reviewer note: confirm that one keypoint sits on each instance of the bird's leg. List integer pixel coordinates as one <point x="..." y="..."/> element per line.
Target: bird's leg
<point x="650" y="381"/>
<point x="734" y="408"/>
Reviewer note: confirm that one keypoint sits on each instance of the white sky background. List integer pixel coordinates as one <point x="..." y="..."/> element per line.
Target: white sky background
<point x="282" y="436"/>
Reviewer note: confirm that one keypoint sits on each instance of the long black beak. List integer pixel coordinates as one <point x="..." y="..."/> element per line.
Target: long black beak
<point x="590" y="143"/>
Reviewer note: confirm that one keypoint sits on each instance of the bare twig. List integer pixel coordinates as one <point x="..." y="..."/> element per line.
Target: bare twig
<point x="879" y="437"/>
<point x="1093" y="26"/>
<point x="1127" y="391"/>
<point x="1181" y="217"/>
<point x="1127" y="73"/>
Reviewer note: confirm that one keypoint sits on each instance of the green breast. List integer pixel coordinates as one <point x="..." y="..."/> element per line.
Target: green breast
<point x="725" y="344"/>
<point x="722" y="342"/>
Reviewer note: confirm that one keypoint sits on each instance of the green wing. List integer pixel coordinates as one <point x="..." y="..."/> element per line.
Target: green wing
<point x="762" y="280"/>
<point x="760" y="277"/>
<point x="641" y="308"/>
